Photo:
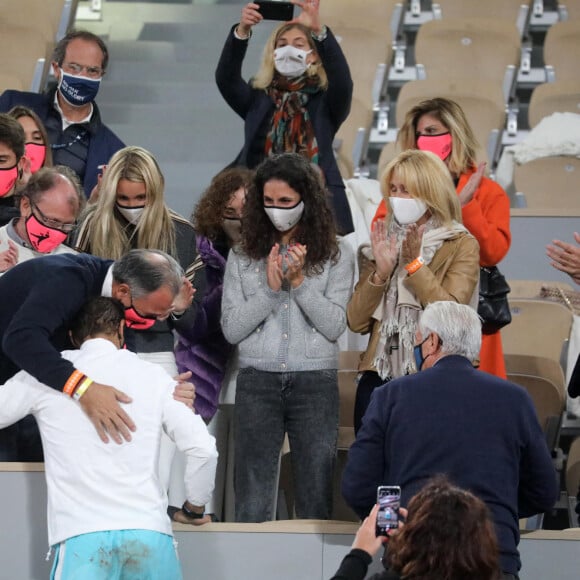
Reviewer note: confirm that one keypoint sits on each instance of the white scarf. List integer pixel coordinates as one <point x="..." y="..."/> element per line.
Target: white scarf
<point x="398" y="311"/>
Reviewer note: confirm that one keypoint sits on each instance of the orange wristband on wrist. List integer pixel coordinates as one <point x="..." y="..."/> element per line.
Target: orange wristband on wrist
<point x="414" y="265"/>
<point x="73" y="382"/>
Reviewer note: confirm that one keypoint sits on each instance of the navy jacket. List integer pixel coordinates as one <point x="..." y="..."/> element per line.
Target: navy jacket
<point x="38" y="298"/>
<point x="327" y="109"/>
<point x="102" y="141"/>
<point x="479" y="430"/>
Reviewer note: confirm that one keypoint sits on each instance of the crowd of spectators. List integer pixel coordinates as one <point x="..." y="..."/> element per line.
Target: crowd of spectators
<point x="246" y="302"/>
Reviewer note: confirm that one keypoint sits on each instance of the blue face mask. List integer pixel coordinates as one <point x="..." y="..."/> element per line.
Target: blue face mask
<point x="78" y="90"/>
<point x="418" y="353"/>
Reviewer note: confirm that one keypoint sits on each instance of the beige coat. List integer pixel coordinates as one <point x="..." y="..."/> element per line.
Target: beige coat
<point x="453" y="274"/>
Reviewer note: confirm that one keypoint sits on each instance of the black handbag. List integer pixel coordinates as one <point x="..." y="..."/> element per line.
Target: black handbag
<point x="493" y="305"/>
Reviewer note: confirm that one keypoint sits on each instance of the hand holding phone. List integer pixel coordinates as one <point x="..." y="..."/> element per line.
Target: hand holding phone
<point x="275" y="10"/>
<point x="389" y="500"/>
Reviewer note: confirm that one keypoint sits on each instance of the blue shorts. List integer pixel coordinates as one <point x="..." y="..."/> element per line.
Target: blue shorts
<point x="117" y="555"/>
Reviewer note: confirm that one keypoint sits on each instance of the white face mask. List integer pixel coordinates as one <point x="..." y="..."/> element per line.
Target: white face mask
<point x="131" y="214"/>
<point x="291" y="61"/>
<point x="285" y="218"/>
<point x="407" y="210"/>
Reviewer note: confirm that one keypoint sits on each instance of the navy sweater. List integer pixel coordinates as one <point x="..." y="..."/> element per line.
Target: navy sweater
<point x="38" y="298"/>
<point x="479" y="430"/>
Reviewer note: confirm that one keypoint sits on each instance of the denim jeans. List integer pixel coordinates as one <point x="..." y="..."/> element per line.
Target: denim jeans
<point x="302" y="404"/>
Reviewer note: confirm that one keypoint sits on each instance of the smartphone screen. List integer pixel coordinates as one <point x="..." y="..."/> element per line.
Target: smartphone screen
<point x="389" y="500"/>
<point x="276" y="10"/>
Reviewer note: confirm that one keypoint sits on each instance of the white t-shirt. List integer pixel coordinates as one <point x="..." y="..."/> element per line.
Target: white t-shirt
<point x="93" y="486"/>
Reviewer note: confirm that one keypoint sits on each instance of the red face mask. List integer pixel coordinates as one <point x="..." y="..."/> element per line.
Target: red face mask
<point x="36" y="152"/>
<point x="8" y="178"/>
<point x="137" y="321"/>
<point x="42" y="238"/>
<point x="438" y="144"/>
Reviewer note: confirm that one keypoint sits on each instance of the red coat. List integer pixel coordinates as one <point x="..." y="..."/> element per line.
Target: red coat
<point x="487" y="217"/>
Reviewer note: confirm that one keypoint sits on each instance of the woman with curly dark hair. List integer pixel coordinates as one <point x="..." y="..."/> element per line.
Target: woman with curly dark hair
<point x="284" y="305"/>
<point x="202" y="348"/>
<point x="449" y="535"/>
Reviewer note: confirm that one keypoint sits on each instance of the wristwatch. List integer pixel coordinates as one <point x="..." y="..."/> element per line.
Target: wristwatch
<point x="190" y="514"/>
<point x="322" y="35"/>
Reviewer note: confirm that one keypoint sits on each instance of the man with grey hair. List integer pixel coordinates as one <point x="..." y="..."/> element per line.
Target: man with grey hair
<point x="479" y="430"/>
<point x="39" y="299"/>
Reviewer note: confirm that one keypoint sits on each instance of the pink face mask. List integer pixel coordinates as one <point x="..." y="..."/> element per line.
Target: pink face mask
<point x="42" y="238"/>
<point x="438" y="144"/>
<point x="37" y="154"/>
<point x="136" y="321"/>
<point x="8" y="178"/>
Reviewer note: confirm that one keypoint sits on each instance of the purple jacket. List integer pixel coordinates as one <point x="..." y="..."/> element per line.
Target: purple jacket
<point x="202" y="349"/>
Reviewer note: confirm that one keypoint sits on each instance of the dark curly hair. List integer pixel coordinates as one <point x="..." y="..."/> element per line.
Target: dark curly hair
<point x="316" y="228"/>
<point x="448" y="535"/>
<point x="208" y="214"/>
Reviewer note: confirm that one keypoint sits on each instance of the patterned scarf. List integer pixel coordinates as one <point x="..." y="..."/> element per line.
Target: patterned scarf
<point x="292" y="130"/>
<point x="399" y="310"/>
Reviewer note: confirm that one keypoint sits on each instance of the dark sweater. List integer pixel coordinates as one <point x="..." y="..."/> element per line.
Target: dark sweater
<point x="355" y="566"/>
<point x="38" y="299"/>
<point x="327" y="109"/>
<point x="96" y="147"/>
<point x="479" y="430"/>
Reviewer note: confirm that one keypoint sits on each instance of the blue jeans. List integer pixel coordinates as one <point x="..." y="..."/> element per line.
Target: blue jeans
<point x="302" y="404"/>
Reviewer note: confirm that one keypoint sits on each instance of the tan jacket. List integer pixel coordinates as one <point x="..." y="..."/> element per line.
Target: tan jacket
<point x="453" y="274"/>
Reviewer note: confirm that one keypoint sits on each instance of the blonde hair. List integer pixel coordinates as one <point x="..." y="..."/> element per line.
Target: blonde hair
<point x="426" y="178"/>
<point x="451" y="115"/>
<point x="265" y="74"/>
<point x="101" y="231"/>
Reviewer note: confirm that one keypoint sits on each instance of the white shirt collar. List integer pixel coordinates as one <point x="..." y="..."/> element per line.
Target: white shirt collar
<point x="66" y="123"/>
<point x="107" y="289"/>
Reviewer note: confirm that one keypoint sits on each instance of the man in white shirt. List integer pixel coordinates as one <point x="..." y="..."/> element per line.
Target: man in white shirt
<point x="107" y="512"/>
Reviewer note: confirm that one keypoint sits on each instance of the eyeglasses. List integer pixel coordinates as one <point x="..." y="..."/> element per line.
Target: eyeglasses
<point x="50" y="223"/>
<point x="93" y="72"/>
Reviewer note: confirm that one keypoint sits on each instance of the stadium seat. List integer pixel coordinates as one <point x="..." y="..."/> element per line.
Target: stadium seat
<point x="532" y="288"/>
<point x="538" y="327"/>
<point x="468" y="48"/>
<point x="352" y="137"/>
<point x="549" y="183"/>
<point x="572" y="8"/>
<point x="372" y="15"/>
<point x="20" y="51"/>
<point x="388" y="153"/>
<point x="562" y="49"/>
<point x="556" y="97"/>
<point x="505" y="10"/>
<point x="538" y="366"/>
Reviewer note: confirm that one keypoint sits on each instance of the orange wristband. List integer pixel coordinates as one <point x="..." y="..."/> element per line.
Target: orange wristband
<point x="414" y="265"/>
<point x="72" y="383"/>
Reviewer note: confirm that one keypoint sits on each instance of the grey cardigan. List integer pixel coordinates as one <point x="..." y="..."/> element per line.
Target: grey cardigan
<point x="290" y="330"/>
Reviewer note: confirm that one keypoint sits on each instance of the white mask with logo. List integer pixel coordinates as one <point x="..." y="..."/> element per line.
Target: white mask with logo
<point x="291" y="61"/>
<point x="285" y="218"/>
<point x="131" y="214"/>
<point x="407" y="210"/>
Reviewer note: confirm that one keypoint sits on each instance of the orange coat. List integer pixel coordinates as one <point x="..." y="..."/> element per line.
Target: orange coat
<point x="487" y="217"/>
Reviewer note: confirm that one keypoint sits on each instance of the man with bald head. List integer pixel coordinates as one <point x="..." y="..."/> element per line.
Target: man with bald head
<point x="49" y="207"/>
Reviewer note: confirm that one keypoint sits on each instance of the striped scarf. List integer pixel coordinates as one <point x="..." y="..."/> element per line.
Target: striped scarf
<point x="292" y="130"/>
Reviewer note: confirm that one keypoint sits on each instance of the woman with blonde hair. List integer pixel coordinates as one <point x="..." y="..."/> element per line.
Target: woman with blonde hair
<point x="297" y="100"/>
<point x="439" y="125"/>
<point x="130" y="213"/>
<point x="420" y="254"/>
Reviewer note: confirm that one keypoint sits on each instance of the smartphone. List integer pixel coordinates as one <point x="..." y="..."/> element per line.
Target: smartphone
<point x="389" y="500"/>
<point x="276" y="10"/>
